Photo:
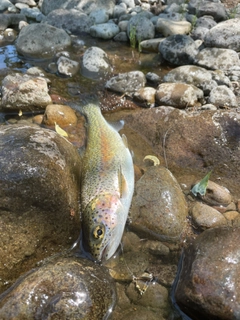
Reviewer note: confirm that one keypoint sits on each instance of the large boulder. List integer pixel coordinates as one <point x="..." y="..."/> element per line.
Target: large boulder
<point x="208" y="286"/>
<point x="41" y="40"/>
<point x="65" y="287"/>
<point x="39" y="198"/>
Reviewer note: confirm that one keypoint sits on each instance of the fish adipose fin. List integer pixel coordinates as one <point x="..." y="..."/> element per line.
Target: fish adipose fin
<point x="123" y="187"/>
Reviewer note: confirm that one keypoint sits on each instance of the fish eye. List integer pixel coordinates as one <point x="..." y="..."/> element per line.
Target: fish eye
<point x="98" y="232"/>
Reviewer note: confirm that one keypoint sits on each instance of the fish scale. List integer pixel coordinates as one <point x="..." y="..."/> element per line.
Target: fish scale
<point x="107" y="186"/>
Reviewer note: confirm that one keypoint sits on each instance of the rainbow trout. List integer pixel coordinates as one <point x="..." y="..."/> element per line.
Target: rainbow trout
<point x="107" y="186"/>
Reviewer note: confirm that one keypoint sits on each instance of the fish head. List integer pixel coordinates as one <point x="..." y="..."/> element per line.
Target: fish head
<point x="103" y="227"/>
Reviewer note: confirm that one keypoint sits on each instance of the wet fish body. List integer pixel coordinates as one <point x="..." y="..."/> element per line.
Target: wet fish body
<point x="107" y="186"/>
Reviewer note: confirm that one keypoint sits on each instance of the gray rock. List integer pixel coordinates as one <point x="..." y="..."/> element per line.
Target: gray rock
<point x="41" y="40"/>
<point x="178" y="95"/>
<point x="123" y="25"/>
<point x="121" y="36"/>
<point x="199" y="33"/>
<point x="206" y="22"/>
<point x="24" y="92"/>
<point x="141" y="28"/>
<point x="95" y="63"/>
<point x="222" y="96"/>
<point x="104" y="30"/>
<point x="225" y="34"/>
<point x="85" y="6"/>
<point x="32" y="13"/>
<point x="179" y="49"/>
<point x="159" y="208"/>
<point x="189" y="74"/>
<point x="65" y="287"/>
<point x="119" y="11"/>
<point x="150" y="45"/>
<point x="216" y="10"/>
<point x="129" y="3"/>
<point x="216" y="58"/>
<point x="6" y="5"/>
<point x="10" y="19"/>
<point x="175" y="16"/>
<point x="73" y="20"/>
<point x="153" y="78"/>
<point x="67" y="66"/>
<point x="208" y="282"/>
<point x="98" y="16"/>
<point x="127" y="82"/>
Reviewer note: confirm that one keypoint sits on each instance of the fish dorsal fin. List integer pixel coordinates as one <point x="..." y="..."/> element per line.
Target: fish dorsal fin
<point x="117" y="125"/>
<point x="123" y="188"/>
<point x="124" y="139"/>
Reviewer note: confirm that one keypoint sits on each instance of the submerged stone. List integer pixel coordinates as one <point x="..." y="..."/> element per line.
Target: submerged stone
<point x="65" y="287"/>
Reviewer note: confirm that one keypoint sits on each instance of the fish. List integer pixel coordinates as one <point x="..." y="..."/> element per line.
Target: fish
<point x="107" y="185"/>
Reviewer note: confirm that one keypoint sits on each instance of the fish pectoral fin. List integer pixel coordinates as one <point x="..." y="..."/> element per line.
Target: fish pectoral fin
<point x="123" y="187"/>
<point x="118" y="125"/>
<point x="124" y="139"/>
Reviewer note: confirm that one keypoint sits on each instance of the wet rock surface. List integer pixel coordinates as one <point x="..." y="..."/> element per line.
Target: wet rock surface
<point x="66" y="287"/>
<point x="208" y="286"/>
<point x="159" y="207"/>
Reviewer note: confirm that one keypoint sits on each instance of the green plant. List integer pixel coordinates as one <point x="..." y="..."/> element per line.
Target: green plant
<point x="132" y="36"/>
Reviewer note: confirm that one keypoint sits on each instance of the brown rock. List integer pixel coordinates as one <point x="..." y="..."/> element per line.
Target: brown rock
<point x="61" y="114"/>
<point x="206" y="217"/>
<point x="208" y="285"/>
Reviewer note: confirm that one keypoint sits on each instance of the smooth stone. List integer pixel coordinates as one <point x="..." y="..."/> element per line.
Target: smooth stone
<point x="206" y="22"/>
<point x="121" y="36"/>
<point x="178" y="95"/>
<point x="6" y="5"/>
<point x="24" y="92"/>
<point x="216" y="58"/>
<point x="41" y="40"/>
<point x="32" y="13"/>
<point x="95" y="63"/>
<point x="208" y="283"/>
<point x="222" y="96"/>
<point x="231" y="215"/>
<point x="216" y="195"/>
<point x="169" y="28"/>
<point x="10" y="35"/>
<point x="150" y="45"/>
<point x="216" y="10"/>
<point x="123" y="25"/>
<point x="73" y="20"/>
<point x="153" y="78"/>
<point x="10" y="19"/>
<point x="189" y="74"/>
<point x="30" y="3"/>
<point x="199" y="33"/>
<point x="63" y="115"/>
<point x="127" y="82"/>
<point x="65" y="287"/>
<point x="98" y="16"/>
<point x="224" y="35"/>
<point x="179" y="49"/>
<point x="104" y="31"/>
<point x="156" y="248"/>
<point x="159" y="208"/>
<point x="141" y="27"/>
<point x="119" y="11"/>
<point x="206" y="217"/>
<point x="39" y="197"/>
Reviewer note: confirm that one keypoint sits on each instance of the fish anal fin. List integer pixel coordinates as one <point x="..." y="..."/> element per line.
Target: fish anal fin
<point x="123" y="187"/>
